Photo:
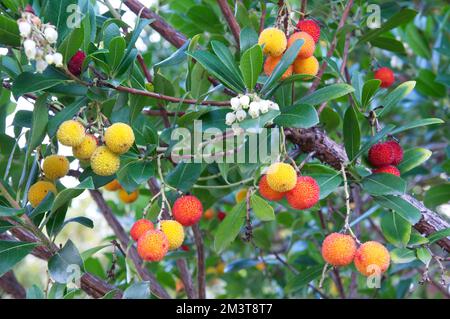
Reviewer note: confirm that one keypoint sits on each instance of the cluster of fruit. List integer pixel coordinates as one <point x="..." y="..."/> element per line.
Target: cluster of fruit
<point x="104" y="159"/>
<point x="275" y="43"/>
<point x="250" y="103"/>
<point x="124" y="196"/>
<point x="154" y="243"/>
<point x="38" y="41"/>
<point x="369" y="258"/>
<point x="385" y="156"/>
<point x="281" y="180"/>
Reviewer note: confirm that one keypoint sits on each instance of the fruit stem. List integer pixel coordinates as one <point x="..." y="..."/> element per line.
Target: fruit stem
<point x="348" y="209"/>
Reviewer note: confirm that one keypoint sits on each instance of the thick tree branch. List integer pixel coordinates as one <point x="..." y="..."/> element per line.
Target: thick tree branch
<point x="231" y="20"/>
<point x="124" y="241"/>
<point x="10" y="285"/>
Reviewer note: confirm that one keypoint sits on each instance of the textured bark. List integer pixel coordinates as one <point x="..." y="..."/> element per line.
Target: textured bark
<point x="231" y="20"/>
<point x="10" y="285"/>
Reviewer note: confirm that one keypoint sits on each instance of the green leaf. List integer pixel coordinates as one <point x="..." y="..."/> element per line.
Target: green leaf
<point x="417" y="123"/>
<point x="417" y="41"/>
<point x="327" y="93"/>
<point x="87" y="222"/>
<point x="412" y="158"/>
<point x="34" y="292"/>
<point x="437" y="195"/>
<point x="39" y="123"/>
<point x="9" y="31"/>
<point x="263" y="211"/>
<point x="427" y="85"/>
<point x="423" y="255"/>
<point x="401" y="18"/>
<point x="67" y="194"/>
<point x="11" y="252"/>
<point x="225" y="56"/>
<point x="116" y="52"/>
<point x="44" y="206"/>
<point x="140" y="290"/>
<point x="213" y="65"/>
<point x="394" y="97"/>
<point x="304" y="278"/>
<point x="389" y="44"/>
<point x="199" y="81"/>
<point x="61" y="14"/>
<point x="434" y="237"/>
<point x="247" y="38"/>
<point x="402" y="255"/>
<point x="28" y="82"/>
<point x="9" y="211"/>
<point x="352" y="133"/>
<point x="402" y="207"/>
<point x="70" y="45"/>
<point x="382" y="133"/>
<point x="66" y="114"/>
<point x="384" y="184"/>
<point x="135" y="173"/>
<point x="327" y="183"/>
<point x="298" y="115"/>
<point x="251" y="65"/>
<point x="184" y="176"/>
<point x="368" y="90"/>
<point x="288" y="58"/>
<point x="230" y="227"/>
<point x="175" y="58"/>
<point x="65" y="264"/>
<point x="396" y="229"/>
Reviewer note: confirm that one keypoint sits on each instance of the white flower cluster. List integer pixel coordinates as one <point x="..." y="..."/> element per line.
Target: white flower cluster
<point x="38" y="40"/>
<point x="248" y="104"/>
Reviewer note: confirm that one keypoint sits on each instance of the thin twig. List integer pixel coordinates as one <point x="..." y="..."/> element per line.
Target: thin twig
<point x="201" y="274"/>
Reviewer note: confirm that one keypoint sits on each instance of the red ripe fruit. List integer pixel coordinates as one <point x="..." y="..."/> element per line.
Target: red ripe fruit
<point x="305" y="194"/>
<point x="76" y="63"/>
<point x="221" y="215"/>
<point x="311" y="27"/>
<point x="386" y="76"/>
<point x="381" y="154"/>
<point x="187" y="210"/>
<point x="140" y="227"/>
<point x="388" y="170"/>
<point x="184" y="247"/>
<point x="267" y="192"/>
<point x="398" y="152"/>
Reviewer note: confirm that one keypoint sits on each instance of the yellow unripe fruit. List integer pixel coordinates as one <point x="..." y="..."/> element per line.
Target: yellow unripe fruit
<point x="281" y="177"/>
<point x="274" y="41"/>
<point x="71" y="133"/>
<point x="241" y="195"/>
<point x="260" y="266"/>
<point x="119" y="137"/>
<point x="38" y="191"/>
<point x="55" y="166"/>
<point x="87" y="147"/>
<point x="306" y="66"/>
<point x="104" y="162"/>
<point x="174" y="232"/>
<point x="128" y="198"/>
<point x="220" y="268"/>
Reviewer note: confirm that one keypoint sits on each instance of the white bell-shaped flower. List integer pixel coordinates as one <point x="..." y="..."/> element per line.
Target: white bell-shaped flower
<point x="241" y="115"/>
<point x="235" y="103"/>
<point x="58" y="59"/>
<point x="245" y="101"/>
<point x="41" y="65"/>
<point x="51" y="35"/>
<point x="24" y="28"/>
<point x="230" y="118"/>
<point x="30" y="49"/>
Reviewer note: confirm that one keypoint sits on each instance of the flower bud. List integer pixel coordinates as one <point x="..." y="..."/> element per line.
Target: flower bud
<point x="245" y="101"/>
<point x="41" y="65"/>
<point x="230" y="118"/>
<point x="51" y="35"/>
<point x="241" y="115"/>
<point x="235" y="103"/>
<point x="24" y="29"/>
<point x="58" y="59"/>
<point x="30" y="49"/>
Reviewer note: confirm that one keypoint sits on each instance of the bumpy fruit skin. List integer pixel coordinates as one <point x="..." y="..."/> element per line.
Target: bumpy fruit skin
<point x="305" y="194"/>
<point x="185" y="247"/>
<point x="152" y="245"/>
<point x="397" y="150"/>
<point x="38" y="191"/>
<point x="267" y="192"/>
<point x="174" y="232"/>
<point x="55" y="166"/>
<point x="113" y="186"/>
<point x="386" y="76"/>
<point x="369" y="255"/>
<point x="338" y="249"/>
<point x="128" y="198"/>
<point x="274" y="41"/>
<point x="389" y="169"/>
<point x="310" y="27"/>
<point x="104" y="162"/>
<point x="241" y="195"/>
<point x="281" y="177"/>
<point x="221" y="215"/>
<point x="140" y="227"/>
<point x="86" y="148"/>
<point x="71" y="133"/>
<point x="308" y="46"/>
<point x="119" y="137"/>
<point x="187" y="210"/>
<point x="75" y="64"/>
<point x="209" y="214"/>
<point x="381" y="154"/>
<point x="306" y="66"/>
<point x="270" y="64"/>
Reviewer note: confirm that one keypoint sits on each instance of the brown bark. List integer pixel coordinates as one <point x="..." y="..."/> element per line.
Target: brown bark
<point x="10" y="285"/>
<point x="231" y="20"/>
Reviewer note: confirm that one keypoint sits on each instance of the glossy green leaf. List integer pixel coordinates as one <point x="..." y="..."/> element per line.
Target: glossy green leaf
<point x="230" y="227"/>
<point x="298" y="116"/>
<point x="436" y="195"/>
<point x="402" y="255"/>
<point x="384" y="184"/>
<point x="263" y="211"/>
<point x="396" y="229"/>
<point x="368" y="90"/>
<point x="304" y="278"/>
<point x="11" y="252"/>
<point x="66" y="265"/>
<point x="116" y="52"/>
<point x="327" y="93"/>
<point x="251" y="65"/>
<point x="9" y="31"/>
<point x="39" y="122"/>
<point x="395" y="96"/>
<point x="412" y="158"/>
<point x="140" y="290"/>
<point x="68" y="194"/>
<point x="352" y="133"/>
<point x="417" y="123"/>
<point x="402" y="207"/>
<point x="184" y="176"/>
